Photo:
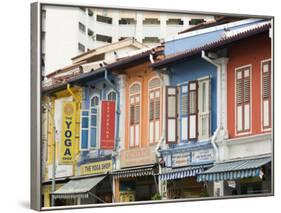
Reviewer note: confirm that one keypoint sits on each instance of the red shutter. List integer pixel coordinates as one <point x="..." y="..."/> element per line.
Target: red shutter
<point x="172" y="114"/>
<point x="192" y="110"/>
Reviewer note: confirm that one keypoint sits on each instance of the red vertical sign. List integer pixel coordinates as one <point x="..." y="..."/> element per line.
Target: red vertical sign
<point x="107" y="125"/>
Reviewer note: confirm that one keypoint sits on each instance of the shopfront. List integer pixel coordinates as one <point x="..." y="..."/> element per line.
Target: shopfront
<point x="241" y="177"/>
<point x="136" y="180"/>
<point x="179" y="170"/>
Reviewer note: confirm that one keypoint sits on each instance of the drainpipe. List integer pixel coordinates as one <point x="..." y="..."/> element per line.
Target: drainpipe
<point x="118" y="107"/>
<point x="163" y="136"/>
<point x="219" y="123"/>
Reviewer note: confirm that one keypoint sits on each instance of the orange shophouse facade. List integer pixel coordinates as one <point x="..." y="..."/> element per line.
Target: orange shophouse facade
<point x="136" y="179"/>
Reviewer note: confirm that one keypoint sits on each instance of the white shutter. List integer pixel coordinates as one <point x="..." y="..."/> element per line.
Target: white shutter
<point x="192" y="110"/>
<point x="171" y="125"/>
<point x="204" y="108"/>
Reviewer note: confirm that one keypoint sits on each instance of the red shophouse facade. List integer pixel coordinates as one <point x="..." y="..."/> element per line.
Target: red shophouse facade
<point x="249" y="90"/>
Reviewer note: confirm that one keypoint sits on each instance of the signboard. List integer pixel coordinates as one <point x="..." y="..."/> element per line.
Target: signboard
<point x="107" y="125"/>
<point x="204" y="155"/>
<point x="181" y="159"/>
<point x="68" y="132"/>
<point x="61" y="171"/>
<point x="137" y="157"/>
<point x="96" y="167"/>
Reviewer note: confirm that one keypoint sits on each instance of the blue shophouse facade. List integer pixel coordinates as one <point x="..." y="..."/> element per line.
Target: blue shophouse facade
<point x="97" y="86"/>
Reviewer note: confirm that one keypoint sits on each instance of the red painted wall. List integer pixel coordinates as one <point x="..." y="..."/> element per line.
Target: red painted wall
<point x="248" y="51"/>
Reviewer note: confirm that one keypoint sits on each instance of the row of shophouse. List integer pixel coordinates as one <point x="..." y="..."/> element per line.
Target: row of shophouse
<point x="189" y="118"/>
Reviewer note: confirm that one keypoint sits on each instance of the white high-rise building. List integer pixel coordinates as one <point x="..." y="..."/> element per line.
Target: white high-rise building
<point x="69" y="31"/>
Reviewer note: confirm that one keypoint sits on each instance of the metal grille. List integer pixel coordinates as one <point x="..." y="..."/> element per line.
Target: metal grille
<point x="184" y="105"/>
<point x="135" y="89"/>
<point x="154" y="83"/>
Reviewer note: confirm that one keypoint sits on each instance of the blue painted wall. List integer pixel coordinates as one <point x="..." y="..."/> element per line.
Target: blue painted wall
<point x="97" y="87"/>
<point x="192" y="69"/>
<point x="191" y="42"/>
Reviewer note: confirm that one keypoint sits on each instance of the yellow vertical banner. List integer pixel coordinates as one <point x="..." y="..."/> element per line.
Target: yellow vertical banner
<point x="68" y="133"/>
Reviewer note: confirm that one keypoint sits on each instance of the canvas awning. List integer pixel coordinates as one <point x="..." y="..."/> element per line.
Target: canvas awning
<point x="178" y="173"/>
<point x="234" y="170"/>
<point x="134" y="172"/>
<point x="78" y="188"/>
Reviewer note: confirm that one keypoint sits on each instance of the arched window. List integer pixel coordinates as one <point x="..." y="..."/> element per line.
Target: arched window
<point x="154" y="109"/>
<point x="111" y="96"/>
<point x="134" y="112"/>
<point x="94" y="111"/>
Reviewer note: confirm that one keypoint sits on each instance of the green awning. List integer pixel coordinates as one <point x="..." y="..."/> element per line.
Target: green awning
<point x="234" y="170"/>
<point x="77" y="188"/>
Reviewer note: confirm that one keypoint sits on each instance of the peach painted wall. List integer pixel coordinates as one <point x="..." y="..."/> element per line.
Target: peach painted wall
<point x="141" y="73"/>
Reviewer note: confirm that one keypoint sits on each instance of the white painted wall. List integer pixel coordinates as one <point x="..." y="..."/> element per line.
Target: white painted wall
<point x="63" y="35"/>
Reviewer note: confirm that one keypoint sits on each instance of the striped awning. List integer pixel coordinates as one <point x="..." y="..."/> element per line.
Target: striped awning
<point x="135" y="172"/>
<point x="178" y="173"/>
<point x="234" y="170"/>
<point x="77" y="188"/>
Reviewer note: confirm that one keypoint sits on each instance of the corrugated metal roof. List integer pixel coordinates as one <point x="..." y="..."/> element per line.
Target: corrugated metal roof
<point x="223" y="41"/>
<point x="78" y="187"/>
<point x="238" y="165"/>
<point x="234" y="170"/>
<point x="178" y="173"/>
<point x="135" y="171"/>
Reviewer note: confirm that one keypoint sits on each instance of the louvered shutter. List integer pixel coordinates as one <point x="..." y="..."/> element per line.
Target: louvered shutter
<point x="171" y="112"/>
<point x="243" y="98"/>
<point x="184" y="112"/>
<point x="84" y="130"/>
<point x="246" y="94"/>
<point x="204" y="103"/>
<point x="192" y="110"/>
<point x="266" y="94"/>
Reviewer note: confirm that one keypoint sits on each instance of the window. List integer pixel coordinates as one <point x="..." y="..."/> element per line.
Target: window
<point x="184" y="112"/>
<point x="84" y="135"/>
<point x="204" y="96"/>
<point x="122" y="38"/>
<point x="134" y="115"/>
<point x="43" y="35"/>
<point x="151" y="21"/>
<point x="94" y="110"/>
<point x="82" y="27"/>
<point x="44" y="14"/>
<point x="104" y="38"/>
<point x="172" y="21"/>
<point x="81" y="47"/>
<point x="83" y="9"/>
<point x="192" y="110"/>
<point x="90" y="12"/>
<point x="154" y="110"/>
<point x="111" y="96"/>
<point x="90" y="32"/>
<point x="151" y="40"/>
<point x="127" y="21"/>
<point x="43" y="61"/>
<point x="243" y="111"/>
<point x="104" y="19"/>
<point x="196" y="21"/>
<point x="172" y="115"/>
<point x="266" y="94"/>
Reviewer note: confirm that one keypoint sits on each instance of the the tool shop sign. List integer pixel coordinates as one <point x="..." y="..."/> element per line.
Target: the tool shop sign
<point x="107" y="125"/>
